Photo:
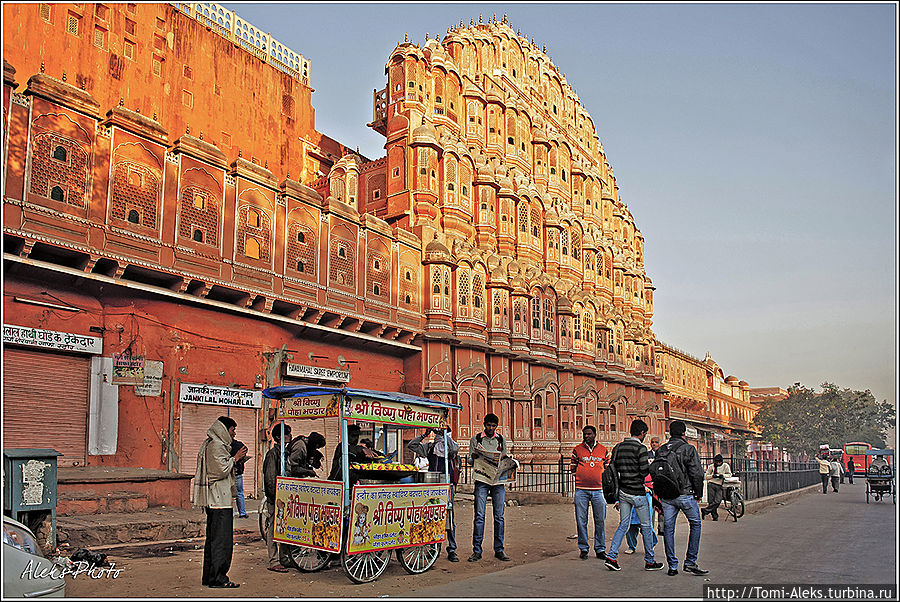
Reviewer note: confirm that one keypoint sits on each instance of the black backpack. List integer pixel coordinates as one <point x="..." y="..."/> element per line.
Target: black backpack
<point x="666" y="471"/>
<point x="609" y="480"/>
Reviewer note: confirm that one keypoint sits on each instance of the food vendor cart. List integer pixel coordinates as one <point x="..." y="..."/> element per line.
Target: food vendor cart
<point x="363" y="522"/>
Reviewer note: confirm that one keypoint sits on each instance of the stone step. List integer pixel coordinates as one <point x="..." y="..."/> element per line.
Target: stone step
<point x="152" y="525"/>
<point x="91" y="502"/>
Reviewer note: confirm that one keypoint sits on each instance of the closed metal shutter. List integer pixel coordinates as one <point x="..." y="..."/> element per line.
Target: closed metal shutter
<point x="196" y="418"/>
<point x="45" y="402"/>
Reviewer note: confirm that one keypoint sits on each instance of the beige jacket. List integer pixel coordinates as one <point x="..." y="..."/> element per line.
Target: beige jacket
<point x="824" y="466"/>
<point x="214" y="483"/>
<point x="718" y="477"/>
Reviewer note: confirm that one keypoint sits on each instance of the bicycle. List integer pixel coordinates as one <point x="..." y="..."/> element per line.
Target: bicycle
<point x="733" y="501"/>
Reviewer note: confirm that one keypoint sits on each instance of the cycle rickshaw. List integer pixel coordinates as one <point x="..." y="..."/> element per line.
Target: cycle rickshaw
<point x="363" y="523"/>
<point x="880" y="474"/>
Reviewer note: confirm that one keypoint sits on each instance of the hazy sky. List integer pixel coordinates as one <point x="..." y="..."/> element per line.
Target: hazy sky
<point x="755" y="145"/>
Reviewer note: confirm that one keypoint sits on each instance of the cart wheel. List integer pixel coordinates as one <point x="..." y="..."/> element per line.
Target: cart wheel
<point x="365" y="567"/>
<point x="737" y="505"/>
<point x="307" y="560"/>
<point x="263" y="514"/>
<point x="418" y="559"/>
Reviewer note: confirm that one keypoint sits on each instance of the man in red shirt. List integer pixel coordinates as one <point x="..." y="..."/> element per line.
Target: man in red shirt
<point x="588" y="461"/>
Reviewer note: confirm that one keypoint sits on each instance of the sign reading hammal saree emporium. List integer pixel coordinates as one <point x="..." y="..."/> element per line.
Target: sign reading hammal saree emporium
<point x="312" y="406"/>
<point x="368" y="409"/>
<point x="395" y="516"/>
<point x="308" y="513"/>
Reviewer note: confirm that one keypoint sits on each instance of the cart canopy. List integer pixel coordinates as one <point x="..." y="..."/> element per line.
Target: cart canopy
<point x="306" y="391"/>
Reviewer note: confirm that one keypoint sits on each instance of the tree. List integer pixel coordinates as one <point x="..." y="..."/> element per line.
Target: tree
<point x="806" y="419"/>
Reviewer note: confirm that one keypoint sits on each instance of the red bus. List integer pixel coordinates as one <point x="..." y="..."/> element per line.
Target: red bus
<point x="857" y="450"/>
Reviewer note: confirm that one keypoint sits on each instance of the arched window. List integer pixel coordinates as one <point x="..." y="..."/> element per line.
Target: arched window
<point x="536" y="313"/>
<point x="56" y="193"/>
<point x="199" y="201"/>
<point x="253" y="218"/>
<point x="301" y="237"/>
<point x="134" y="217"/>
<point x="198" y="235"/>
<point x="251" y="247"/>
<point x="299" y="266"/>
<point x="59" y="153"/>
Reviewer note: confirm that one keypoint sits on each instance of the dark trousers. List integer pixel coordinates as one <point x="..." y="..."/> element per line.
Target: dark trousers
<point x="824" y="482"/>
<point x="219" y="546"/>
<point x="834" y="484"/>
<point x="714" y="495"/>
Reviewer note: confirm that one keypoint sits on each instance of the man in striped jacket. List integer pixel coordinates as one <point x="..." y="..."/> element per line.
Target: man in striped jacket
<point x="629" y="458"/>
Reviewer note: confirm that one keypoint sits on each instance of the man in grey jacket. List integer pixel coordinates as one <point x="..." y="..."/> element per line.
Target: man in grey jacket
<point x="691" y="491"/>
<point x="439" y="458"/>
<point x="214" y="490"/>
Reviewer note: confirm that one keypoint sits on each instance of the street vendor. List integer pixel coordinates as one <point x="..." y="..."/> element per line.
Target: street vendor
<point x="437" y="455"/>
<point x="355" y="454"/>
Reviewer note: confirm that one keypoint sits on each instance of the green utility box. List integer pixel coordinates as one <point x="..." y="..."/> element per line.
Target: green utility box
<point x="29" y="489"/>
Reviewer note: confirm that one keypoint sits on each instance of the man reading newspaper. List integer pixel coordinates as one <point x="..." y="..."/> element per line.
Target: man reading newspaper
<point x="492" y="467"/>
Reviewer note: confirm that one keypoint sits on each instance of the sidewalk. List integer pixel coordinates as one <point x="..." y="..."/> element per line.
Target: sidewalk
<point x="788" y="544"/>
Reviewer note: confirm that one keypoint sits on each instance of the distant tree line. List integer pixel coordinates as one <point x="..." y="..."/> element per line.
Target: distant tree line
<point x="806" y="419"/>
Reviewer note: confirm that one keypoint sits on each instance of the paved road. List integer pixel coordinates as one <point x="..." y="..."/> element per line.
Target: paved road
<point x="816" y="538"/>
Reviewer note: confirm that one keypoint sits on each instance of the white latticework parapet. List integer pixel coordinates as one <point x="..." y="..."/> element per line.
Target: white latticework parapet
<point x="227" y="24"/>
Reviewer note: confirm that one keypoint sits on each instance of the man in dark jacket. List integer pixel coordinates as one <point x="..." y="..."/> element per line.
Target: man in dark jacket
<point x="629" y="460"/>
<point x="239" y="479"/>
<point x="271" y="469"/>
<point x="691" y="491"/>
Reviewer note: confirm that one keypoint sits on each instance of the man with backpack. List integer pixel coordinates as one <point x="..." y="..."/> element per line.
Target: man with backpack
<point x="629" y="461"/>
<point x="490" y="447"/>
<point x="678" y="482"/>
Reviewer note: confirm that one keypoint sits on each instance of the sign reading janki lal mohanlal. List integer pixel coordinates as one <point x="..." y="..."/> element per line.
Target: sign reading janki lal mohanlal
<point x="384" y="517"/>
<point x="368" y="409"/>
<point x="308" y="513"/>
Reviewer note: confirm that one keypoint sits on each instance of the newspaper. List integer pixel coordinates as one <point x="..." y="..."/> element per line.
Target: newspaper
<point x="489" y="467"/>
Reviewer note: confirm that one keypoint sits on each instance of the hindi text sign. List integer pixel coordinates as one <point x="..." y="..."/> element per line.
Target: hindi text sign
<point x="308" y="513"/>
<point x="221" y="396"/>
<point x="127" y="369"/>
<point x="384" y="517"/>
<point x="369" y="409"/>
<point x="51" y="339"/>
<point x="312" y="406"/>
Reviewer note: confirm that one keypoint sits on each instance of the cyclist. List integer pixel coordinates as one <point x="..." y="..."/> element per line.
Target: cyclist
<point x="715" y="480"/>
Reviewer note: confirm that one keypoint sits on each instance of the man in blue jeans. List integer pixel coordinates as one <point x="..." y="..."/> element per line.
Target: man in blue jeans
<point x="690" y="492"/>
<point x="489" y="447"/>
<point x="629" y="460"/>
<point x="588" y="461"/>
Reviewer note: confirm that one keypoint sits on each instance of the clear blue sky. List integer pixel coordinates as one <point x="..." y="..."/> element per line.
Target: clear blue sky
<point x="755" y="145"/>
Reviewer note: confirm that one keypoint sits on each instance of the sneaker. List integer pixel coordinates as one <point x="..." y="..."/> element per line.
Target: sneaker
<point x="672" y="572"/>
<point x="502" y="556"/>
<point x="601" y="555"/>
<point x="452" y="557"/>
<point x="613" y="565"/>
<point x="629" y="551"/>
<point x="583" y="555"/>
<point x="694" y="569"/>
<point x="475" y="557"/>
<point x="653" y="566"/>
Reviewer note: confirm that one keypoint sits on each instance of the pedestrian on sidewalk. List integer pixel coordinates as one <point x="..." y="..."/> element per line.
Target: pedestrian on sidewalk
<point x="716" y="474"/>
<point x="688" y="472"/>
<point x="489" y="447"/>
<point x="214" y="490"/>
<point x="824" y="470"/>
<point x="278" y="559"/>
<point x="240" y="502"/>
<point x="654" y="445"/>
<point x="629" y="460"/>
<point x="440" y="457"/>
<point x="837" y="473"/>
<point x="631" y="537"/>
<point x="851" y="467"/>
<point x="588" y="461"/>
